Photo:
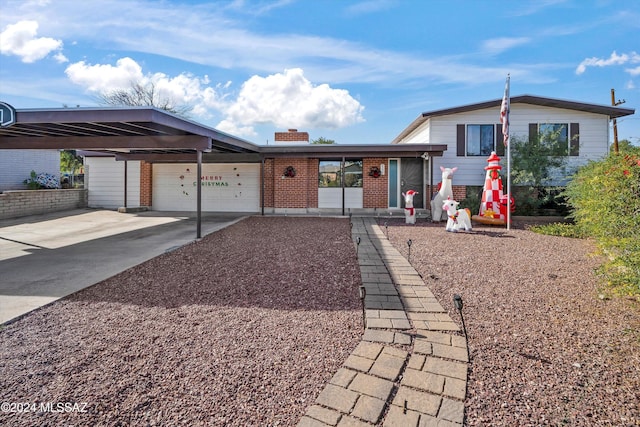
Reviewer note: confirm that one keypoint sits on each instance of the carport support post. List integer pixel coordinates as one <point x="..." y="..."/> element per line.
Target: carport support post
<point x="199" y="197"/>
<point x="125" y="185"/>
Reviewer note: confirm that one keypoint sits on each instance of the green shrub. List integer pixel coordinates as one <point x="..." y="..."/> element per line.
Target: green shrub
<point x="559" y="229"/>
<point x="473" y="199"/>
<point x="605" y="197"/>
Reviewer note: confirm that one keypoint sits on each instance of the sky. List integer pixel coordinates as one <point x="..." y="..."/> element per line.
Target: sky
<point x="356" y="72"/>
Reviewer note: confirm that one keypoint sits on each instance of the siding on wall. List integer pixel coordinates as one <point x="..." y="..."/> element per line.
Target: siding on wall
<point x="594" y="136"/>
<point x="16" y="166"/>
<point x="104" y="178"/>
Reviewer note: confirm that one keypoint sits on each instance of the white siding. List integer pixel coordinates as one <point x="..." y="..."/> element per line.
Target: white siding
<point x="16" y="166"/>
<point x="226" y="187"/>
<point x="594" y="136"/>
<point x="332" y="198"/>
<point x="104" y="178"/>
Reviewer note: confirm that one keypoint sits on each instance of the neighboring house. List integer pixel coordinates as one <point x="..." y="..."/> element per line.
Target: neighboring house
<point x="472" y="131"/>
<point x="16" y="166"/>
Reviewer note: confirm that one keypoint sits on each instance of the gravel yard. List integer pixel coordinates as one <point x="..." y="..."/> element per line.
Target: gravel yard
<point x="246" y="326"/>
<point x="242" y="328"/>
<point x="545" y="349"/>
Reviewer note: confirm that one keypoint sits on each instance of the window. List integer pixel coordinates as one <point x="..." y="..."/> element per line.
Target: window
<point x="555" y="136"/>
<point x="561" y="138"/>
<point x="353" y="173"/>
<point x="330" y="173"/>
<point x="480" y="140"/>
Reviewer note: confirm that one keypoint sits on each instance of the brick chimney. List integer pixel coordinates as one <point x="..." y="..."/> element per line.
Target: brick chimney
<point x="292" y="136"/>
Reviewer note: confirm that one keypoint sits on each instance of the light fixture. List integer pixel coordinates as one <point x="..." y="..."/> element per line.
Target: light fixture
<point x="457" y="302"/>
<point x="357" y="244"/>
<point x="363" y="294"/>
<point x="382" y="169"/>
<point x="409" y="243"/>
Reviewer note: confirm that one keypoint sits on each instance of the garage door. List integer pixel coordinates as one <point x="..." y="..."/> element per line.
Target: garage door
<point x="225" y="187"/>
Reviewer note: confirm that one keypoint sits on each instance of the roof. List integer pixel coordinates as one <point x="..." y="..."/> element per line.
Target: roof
<point x="150" y="134"/>
<point x="116" y="130"/>
<point x="611" y="111"/>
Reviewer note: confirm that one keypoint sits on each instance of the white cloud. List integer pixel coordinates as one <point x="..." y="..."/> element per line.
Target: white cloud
<point x="614" y="59"/>
<point x="20" y="39"/>
<point x="284" y="100"/>
<point x="633" y="71"/>
<point x="184" y="89"/>
<point x="105" y="77"/>
<point x="290" y="100"/>
<point x="503" y="43"/>
<point x="369" y="6"/>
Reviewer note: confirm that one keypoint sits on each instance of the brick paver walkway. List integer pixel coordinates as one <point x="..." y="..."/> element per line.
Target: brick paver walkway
<point x="410" y="369"/>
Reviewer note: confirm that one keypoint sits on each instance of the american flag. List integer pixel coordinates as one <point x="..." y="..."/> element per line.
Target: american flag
<point x="504" y="113"/>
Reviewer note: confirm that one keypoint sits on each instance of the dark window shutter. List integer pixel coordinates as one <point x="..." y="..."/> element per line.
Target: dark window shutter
<point x="533" y="132"/>
<point x="499" y="140"/>
<point x="460" y="139"/>
<point x="574" y="141"/>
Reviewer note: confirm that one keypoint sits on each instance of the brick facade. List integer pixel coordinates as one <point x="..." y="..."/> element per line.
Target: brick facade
<point x="375" y="190"/>
<point x="300" y="191"/>
<point x="146" y="184"/>
<point x="459" y="192"/>
<point x="292" y="136"/>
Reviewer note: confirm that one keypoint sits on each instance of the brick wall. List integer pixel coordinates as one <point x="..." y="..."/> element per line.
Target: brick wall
<point x="300" y="191"/>
<point x="18" y="203"/>
<point x="459" y="192"/>
<point x="146" y="184"/>
<point x="375" y="190"/>
<point x="269" y="182"/>
<point x="292" y="136"/>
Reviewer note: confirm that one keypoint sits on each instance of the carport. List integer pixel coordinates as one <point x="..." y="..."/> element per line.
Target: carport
<point x="132" y="133"/>
<point x="156" y="136"/>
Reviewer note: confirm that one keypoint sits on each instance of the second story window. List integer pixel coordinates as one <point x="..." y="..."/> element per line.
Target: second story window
<point x="480" y="140"/>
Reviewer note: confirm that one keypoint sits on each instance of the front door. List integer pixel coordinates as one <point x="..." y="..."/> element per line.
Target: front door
<point x="412" y="178"/>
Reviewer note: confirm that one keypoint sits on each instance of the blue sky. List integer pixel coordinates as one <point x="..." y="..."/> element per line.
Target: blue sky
<point x="352" y="71"/>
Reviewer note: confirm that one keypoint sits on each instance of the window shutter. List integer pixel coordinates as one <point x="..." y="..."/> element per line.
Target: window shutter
<point x="533" y="132"/>
<point x="574" y="141"/>
<point x="499" y="140"/>
<point x="460" y="139"/>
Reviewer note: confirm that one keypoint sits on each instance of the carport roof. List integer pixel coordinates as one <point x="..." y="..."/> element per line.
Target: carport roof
<point x="145" y="133"/>
<point x="141" y="130"/>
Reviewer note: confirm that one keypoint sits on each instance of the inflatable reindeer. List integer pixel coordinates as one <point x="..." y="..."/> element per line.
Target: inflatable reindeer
<point x="446" y="192"/>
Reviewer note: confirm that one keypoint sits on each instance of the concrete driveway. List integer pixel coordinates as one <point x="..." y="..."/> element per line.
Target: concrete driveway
<point x="46" y="257"/>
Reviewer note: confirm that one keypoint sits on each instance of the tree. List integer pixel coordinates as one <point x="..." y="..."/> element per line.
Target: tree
<point x="535" y="162"/>
<point x="70" y="162"/>
<point x="322" y="140"/>
<point x="623" y="146"/>
<point x="143" y="95"/>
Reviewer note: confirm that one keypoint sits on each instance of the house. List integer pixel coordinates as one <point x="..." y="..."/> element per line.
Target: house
<point x="148" y="158"/>
<point x="16" y="166"/>
<point x="471" y="132"/>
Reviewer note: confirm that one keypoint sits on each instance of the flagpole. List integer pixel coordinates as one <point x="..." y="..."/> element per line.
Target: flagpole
<point x="508" y="154"/>
<point x="506" y="134"/>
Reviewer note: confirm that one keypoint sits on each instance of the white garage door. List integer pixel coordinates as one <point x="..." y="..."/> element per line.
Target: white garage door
<point x="225" y="187"/>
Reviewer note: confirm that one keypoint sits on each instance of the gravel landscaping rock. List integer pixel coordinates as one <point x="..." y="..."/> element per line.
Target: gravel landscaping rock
<point x="545" y="348"/>
<point x="242" y="328"/>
